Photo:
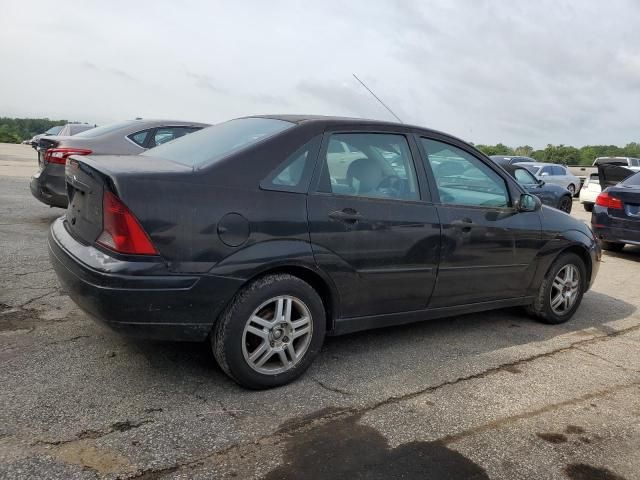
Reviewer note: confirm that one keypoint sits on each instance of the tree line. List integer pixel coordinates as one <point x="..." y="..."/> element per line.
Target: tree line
<point x="565" y="154"/>
<point x="15" y="130"/>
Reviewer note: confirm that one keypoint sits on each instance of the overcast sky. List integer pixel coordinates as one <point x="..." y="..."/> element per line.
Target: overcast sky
<point x="515" y="71"/>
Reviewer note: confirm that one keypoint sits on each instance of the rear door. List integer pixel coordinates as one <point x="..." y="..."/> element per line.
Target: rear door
<point x="488" y="247"/>
<point x="373" y="230"/>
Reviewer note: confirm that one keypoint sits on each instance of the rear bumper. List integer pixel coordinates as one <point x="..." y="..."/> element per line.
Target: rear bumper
<point x="610" y="229"/>
<point x="48" y="186"/>
<point x="140" y="299"/>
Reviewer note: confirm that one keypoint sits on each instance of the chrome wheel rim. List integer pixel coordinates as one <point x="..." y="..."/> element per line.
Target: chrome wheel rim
<point x="571" y="189"/>
<point x="277" y="335"/>
<point x="565" y="289"/>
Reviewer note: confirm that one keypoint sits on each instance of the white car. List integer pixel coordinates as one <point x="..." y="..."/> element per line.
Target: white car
<point x="590" y="191"/>
<point x="554" y="173"/>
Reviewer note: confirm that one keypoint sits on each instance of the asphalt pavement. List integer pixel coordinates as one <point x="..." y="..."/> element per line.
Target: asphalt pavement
<point x="485" y="396"/>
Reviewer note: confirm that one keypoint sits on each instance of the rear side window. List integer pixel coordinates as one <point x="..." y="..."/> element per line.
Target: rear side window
<point x="139" y="138"/>
<point x="211" y="144"/>
<point x="294" y="174"/>
<point x="463" y="179"/>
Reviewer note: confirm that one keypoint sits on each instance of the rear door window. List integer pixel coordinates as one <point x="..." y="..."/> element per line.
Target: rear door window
<point x="167" y="134"/>
<point x="376" y="165"/>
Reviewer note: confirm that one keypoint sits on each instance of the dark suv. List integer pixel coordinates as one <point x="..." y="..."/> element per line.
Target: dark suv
<point x="263" y="234"/>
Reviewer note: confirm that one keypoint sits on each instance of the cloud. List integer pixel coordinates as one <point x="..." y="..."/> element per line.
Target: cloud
<point x="519" y="72"/>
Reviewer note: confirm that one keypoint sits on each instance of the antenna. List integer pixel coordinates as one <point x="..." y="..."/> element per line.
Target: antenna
<point x="376" y="97"/>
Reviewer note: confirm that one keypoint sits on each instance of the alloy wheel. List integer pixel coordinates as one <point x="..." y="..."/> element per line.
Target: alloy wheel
<point x="277" y="335"/>
<point x="565" y="289"/>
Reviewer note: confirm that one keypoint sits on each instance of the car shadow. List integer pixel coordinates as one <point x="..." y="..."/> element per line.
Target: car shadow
<point x="629" y="252"/>
<point x="398" y="350"/>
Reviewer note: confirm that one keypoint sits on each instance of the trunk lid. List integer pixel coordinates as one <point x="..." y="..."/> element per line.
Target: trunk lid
<point x="610" y="174"/>
<point x="88" y="176"/>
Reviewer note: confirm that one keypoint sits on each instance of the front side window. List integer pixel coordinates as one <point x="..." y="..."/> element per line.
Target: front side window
<point x="375" y="165"/>
<point x="524" y="177"/>
<point x="557" y="170"/>
<point x="463" y="179"/>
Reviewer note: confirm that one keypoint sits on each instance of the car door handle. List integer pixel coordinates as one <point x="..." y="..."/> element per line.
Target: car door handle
<point x="465" y="224"/>
<point x="347" y="215"/>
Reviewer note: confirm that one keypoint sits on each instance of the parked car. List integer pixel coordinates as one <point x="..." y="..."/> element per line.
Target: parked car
<point x="553" y="173"/>
<point x="590" y="191"/>
<point x="71" y="129"/>
<point x="52" y="131"/>
<point x="250" y="235"/>
<point x="124" y="138"/>
<point x="592" y="188"/>
<point x="616" y="213"/>
<point x="510" y="159"/>
<point x="549" y="193"/>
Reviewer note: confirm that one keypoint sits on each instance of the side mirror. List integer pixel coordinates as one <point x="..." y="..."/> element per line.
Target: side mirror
<point x="528" y="203"/>
<point x="544" y="174"/>
<point x="541" y="183"/>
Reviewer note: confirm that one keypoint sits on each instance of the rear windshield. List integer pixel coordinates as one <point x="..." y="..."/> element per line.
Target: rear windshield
<point x="213" y="143"/>
<point x="112" y="127"/>
<point x="632" y="180"/>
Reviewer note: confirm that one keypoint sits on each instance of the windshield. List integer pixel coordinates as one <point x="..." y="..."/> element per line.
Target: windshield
<point x="112" y="127"/>
<point x="216" y="142"/>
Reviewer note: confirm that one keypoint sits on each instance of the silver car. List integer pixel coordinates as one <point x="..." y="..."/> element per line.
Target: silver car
<point x="123" y="138"/>
<point x="554" y="173"/>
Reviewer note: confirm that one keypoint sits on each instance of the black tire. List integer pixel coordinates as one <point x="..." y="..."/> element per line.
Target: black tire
<point x="572" y="189"/>
<point x="227" y="335"/>
<point x="565" y="204"/>
<point x="541" y="307"/>
<point x="588" y="207"/>
<point x="612" y="246"/>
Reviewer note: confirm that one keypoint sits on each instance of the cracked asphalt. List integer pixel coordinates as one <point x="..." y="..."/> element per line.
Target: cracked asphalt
<point x="493" y="395"/>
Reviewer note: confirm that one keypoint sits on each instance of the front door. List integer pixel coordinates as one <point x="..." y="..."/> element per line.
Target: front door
<point x="371" y="230"/>
<point x="488" y="247"/>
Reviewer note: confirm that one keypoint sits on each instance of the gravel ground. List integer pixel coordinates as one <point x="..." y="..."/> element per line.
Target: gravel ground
<point x="492" y="395"/>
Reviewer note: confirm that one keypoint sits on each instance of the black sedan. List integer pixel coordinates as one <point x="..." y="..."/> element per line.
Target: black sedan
<point x="549" y="193"/>
<point x="264" y="234"/>
<point x="616" y="214"/>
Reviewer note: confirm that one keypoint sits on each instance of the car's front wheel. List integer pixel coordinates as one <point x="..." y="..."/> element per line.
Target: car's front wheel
<point x="271" y="332"/>
<point x="572" y="189"/>
<point x="560" y="293"/>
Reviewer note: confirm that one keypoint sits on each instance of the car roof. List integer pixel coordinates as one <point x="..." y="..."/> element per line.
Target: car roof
<point x="353" y="121"/>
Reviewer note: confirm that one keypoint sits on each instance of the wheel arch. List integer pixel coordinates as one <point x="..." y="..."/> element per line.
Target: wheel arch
<point x="321" y="284"/>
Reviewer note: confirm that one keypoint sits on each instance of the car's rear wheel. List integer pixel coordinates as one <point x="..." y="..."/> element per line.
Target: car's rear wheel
<point x="588" y="207"/>
<point x="612" y="246"/>
<point x="572" y="189"/>
<point x="271" y="332"/>
<point x="565" y="204"/>
<point x="561" y="291"/>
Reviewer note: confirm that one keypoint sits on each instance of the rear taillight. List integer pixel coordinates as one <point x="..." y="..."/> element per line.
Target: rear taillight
<point x="60" y="155"/>
<point x="121" y="231"/>
<point x="606" y="200"/>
